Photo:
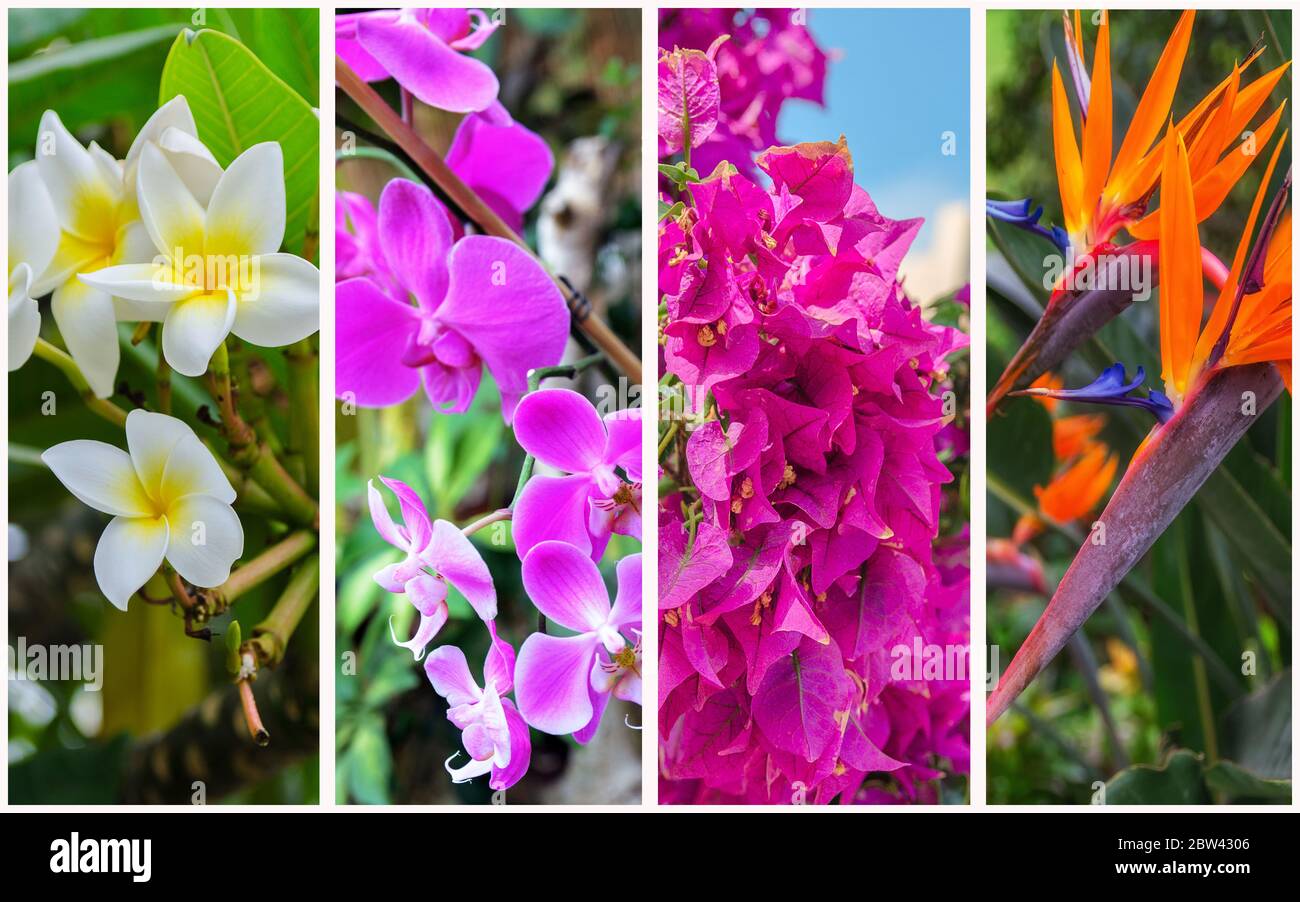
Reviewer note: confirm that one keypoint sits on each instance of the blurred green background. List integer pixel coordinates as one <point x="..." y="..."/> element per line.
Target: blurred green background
<point x="165" y="697"/>
<point x="567" y="75"/>
<point x="1183" y="728"/>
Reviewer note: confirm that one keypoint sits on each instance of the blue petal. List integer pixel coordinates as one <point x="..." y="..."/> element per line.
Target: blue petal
<point x="1112" y="387"/>
<point x="1023" y="214"/>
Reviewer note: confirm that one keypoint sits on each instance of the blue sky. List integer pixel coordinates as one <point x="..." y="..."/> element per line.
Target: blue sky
<point x="902" y="79"/>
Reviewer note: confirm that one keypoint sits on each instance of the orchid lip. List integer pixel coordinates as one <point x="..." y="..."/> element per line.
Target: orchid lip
<point x="1112" y="388"/>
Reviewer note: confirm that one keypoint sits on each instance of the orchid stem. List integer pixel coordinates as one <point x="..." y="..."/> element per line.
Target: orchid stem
<point x="467" y="199"/>
<point x="496" y="516"/>
<point x="64" y="362"/>
<point x="378" y="153"/>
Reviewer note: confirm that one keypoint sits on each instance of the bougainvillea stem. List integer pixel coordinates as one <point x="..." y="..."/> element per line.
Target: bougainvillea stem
<point x="467" y="199"/>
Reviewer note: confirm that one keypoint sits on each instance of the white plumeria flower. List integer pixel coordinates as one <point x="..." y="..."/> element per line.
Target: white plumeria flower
<point x="33" y="237"/>
<point x="168" y="497"/>
<point x="94" y="200"/>
<point x="218" y="270"/>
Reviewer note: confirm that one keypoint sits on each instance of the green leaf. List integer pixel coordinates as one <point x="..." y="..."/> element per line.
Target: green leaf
<point x="370" y="764"/>
<point x="1020" y="445"/>
<point x="359" y="592"/>
<point x="238" y="102"/>
<point x="1178" y="782"/>
<point x="395" y="676"/>
<point x="88" y="83"/>
<point x="1239" y="786"/>
<point x="288" y="41"/>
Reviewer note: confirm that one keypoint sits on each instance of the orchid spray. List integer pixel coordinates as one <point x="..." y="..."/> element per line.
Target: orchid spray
<point x="438" y="292"/>
<point x="801" y="457"/>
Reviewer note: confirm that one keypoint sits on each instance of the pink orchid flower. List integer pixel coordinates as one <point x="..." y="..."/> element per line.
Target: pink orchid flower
<point x="562" y="429"/>
<point x="480" y="301"/>
<point x="423" y="51"/>
<point x="492" y="731"/>
<point x="436" y="553"/>
<point x="507" y="164"/>
<point x="564" y="681"/>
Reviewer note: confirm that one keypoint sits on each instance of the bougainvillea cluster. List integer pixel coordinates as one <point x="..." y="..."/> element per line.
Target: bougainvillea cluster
<point x="764" y="58"/>
<point x="424" y="301"/>
<point x="813" y="635"/>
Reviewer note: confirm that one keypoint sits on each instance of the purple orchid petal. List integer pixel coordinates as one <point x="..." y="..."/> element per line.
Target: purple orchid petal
<point x="499" y="667"/>
<point x="415" y="235"/>
<point x="428" y="594"/>
<point x="369" y="325"/>
<point x="599" y="702"/>
<point x="505" y="304"/>
<point x="552" y="507"/>
<point x="429" y="626"/>
<point x="623" y="445"/>
<point x="383" y="520"/>
<point x="565" y="585"/>
<point x="448" y="671"/>
<point x="421" y="62"/>
<point x="561" y="429"/>
<point x="452" y="555"/>
<point x="627" y="602"/>
<point x="349" y="48"/>
<point x="414" y="517"/>
<point x="481" y="151"/>
<point x="521" y="750"/>
<point x="553" y="681"/>
<point x="451" y="389"/>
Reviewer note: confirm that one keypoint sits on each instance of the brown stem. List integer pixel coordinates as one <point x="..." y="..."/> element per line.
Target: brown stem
<point x="251" y="715"/>
<point x="468" y="200"/>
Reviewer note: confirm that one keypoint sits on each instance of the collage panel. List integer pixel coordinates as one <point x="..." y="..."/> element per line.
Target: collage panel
<point x="813" y="240"/>
<point x="1139" y="566"/>
<point x="164" y="304"/>
<point x="489" y="437"/>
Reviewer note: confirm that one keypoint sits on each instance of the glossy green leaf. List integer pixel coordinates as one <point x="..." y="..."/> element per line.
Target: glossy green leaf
<point x="238" y="102"/>
<point x="1178" y="782"/>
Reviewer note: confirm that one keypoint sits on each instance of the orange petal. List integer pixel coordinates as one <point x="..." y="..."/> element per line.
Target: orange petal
<point x="1069" y="168"/>
<point x="1223" y="304"/>
<point x="1153" y="108"/>
<point x="1181" y="289"/>
<point x="1072" y="436"/>
<point x="1077" y="489"/>
<point x="1097" y="128"/>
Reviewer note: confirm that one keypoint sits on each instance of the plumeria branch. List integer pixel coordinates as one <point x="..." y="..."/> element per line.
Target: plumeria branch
<point x="64" y="362"/>
<point x="467" y="199"/>
<point x="304" y="407"/>
<point x="271" y="636"/>
<point x="250" y="452"/>
<point x="266" y="565"/>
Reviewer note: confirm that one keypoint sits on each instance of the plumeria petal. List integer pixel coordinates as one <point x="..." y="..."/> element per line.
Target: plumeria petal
<point x="561" y="429"/>
<point x="150" y="440"/>
<point x="35" y="242"/>
<point x="245" y="217"/>
<point x="170" y="212"/>
<point x="128" y="554"/>
<point x="100" y="476"/>
<point x="147" y="283"/>
<point x="205" y="541"/>
<point x="24" y="317"/>
<point x="192" y="470"/>
<point x="194" y="328"/>
<point x="89" y="328"/>
<point x="553" y="680"/>
<point x="84" y="199"/>
<point x="284" y="307"/>
<point x="566" y="587"/>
